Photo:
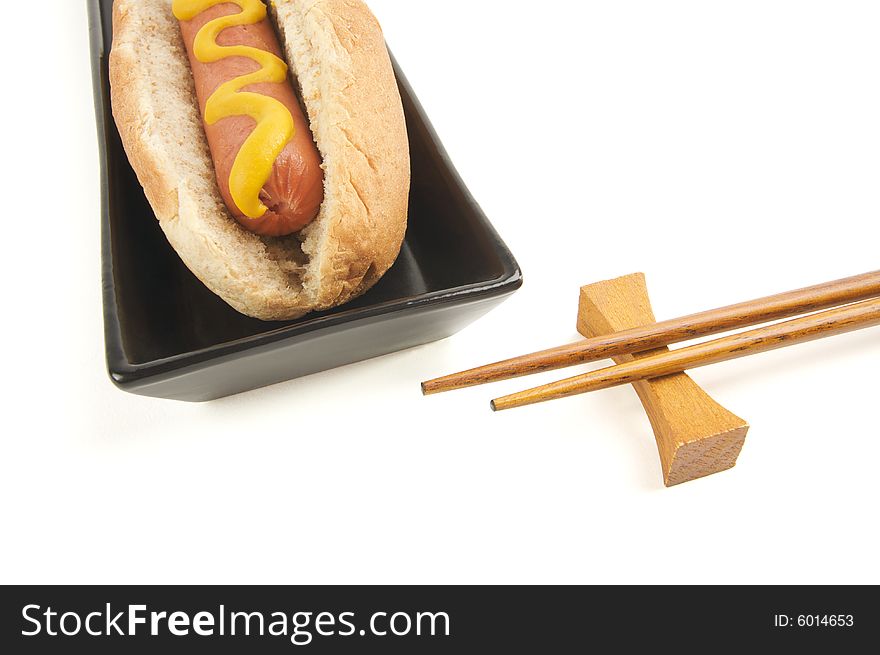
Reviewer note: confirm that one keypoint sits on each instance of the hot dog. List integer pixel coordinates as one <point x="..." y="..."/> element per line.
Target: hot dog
<point x="292" y="192"/>
<point x="272" y="146"/>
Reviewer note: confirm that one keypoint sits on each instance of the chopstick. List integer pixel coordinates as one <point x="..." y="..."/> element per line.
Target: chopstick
<point x="801" y="330"/>
<point x="664" y="333"/>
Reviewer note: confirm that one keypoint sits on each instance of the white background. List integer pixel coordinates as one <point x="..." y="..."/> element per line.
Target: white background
<point x="728" y="150"/>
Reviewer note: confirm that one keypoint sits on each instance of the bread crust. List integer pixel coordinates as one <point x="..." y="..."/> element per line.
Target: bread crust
<point x="336" y="51"/>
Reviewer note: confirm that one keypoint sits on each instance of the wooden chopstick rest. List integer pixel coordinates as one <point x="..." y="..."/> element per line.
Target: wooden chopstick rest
<point x="695" y="435"/>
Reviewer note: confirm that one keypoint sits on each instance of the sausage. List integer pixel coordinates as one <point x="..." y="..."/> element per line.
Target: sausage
<point x="294" y="191"/>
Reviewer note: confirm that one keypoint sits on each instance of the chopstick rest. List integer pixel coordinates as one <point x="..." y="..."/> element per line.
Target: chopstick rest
<point x="695" y="435"/>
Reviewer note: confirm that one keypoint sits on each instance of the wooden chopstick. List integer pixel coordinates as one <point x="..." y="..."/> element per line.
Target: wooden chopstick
<point x="664" y="333"/>
<point x="800" y="330"/>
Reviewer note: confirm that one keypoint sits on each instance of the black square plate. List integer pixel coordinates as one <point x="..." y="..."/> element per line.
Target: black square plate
<point x="168" y="336"/>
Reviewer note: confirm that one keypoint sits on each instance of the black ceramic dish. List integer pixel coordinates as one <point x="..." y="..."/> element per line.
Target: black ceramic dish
<point x="167" y="336"/>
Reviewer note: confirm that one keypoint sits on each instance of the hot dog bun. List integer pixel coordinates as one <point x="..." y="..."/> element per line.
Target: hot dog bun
<point x="336" y="51"/>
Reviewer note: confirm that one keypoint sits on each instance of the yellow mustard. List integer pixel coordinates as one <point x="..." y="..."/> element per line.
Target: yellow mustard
<point x="275" y="127"/>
